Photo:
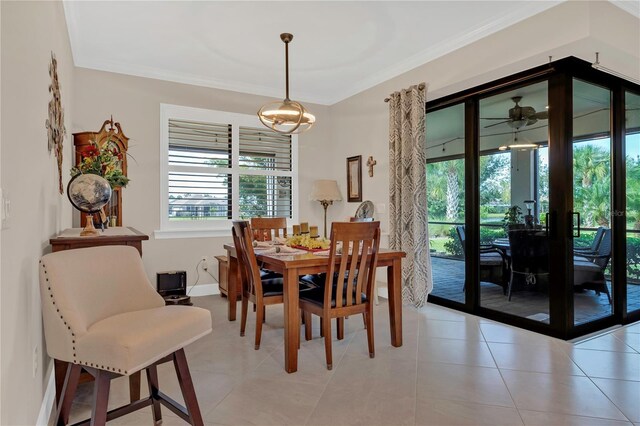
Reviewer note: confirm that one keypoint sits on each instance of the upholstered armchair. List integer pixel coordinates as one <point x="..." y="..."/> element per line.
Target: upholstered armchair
<point x="102" y="315"/>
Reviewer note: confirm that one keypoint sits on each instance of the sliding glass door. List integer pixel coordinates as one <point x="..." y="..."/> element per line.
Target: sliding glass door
<point x="533" y="187"/>
<point x="514" y="183"/>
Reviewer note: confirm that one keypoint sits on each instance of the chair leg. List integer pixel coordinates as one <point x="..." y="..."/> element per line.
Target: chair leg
<point x="321" y="327"/>
<point x="340" y="328"/>
<point x="364" y="320"/>
<point x="326" y="320"/>
<point x="259" y="320"/>
<point x="152" y="380"/>
<point x="243" y="316"/>
<point x="100" y="398"/>
<point x="606" y="290"/>
<point x="186" y="386"/>
<point x="510" y="286"/>
<point x="264" y="313"/>
<point x="68" y="391"/>
<point x="307" y="325"/>
<point x="370" y="341"/>
<point x="134" y="387"/>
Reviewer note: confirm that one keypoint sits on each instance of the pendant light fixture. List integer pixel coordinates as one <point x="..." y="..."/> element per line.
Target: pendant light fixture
<point x="287" y="117"/>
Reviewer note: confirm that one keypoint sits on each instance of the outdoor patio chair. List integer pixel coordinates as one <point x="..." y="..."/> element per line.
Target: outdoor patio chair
<point x="593" y="247"/>
<point x="529" y="256"/>
<point x="588" y="269"/>
<point x="493" y="263"/>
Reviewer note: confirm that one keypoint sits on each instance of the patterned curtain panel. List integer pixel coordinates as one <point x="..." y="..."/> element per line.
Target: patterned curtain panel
<point x="408" y="191"/>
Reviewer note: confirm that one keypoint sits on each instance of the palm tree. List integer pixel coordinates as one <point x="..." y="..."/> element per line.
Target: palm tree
<point x="592" y="183"/>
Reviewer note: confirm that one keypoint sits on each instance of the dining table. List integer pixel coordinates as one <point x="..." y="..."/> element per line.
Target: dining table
<point x="292" y="266"/>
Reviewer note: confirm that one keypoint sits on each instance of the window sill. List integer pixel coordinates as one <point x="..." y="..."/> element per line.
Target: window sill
<point x="164" y="234"/>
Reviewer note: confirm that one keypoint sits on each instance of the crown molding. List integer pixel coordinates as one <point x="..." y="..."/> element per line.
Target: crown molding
<point x="421" y="58"/>
<point x="632" y="7"/>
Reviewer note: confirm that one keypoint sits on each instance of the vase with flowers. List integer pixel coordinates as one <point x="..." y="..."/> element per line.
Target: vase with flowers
<point x="103" y="160"/>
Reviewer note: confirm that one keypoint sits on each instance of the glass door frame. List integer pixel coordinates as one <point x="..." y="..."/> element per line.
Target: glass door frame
<point x="559" y="75"/>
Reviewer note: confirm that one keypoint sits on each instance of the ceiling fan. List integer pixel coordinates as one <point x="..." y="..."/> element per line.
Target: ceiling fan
<point x="519" y="116"/>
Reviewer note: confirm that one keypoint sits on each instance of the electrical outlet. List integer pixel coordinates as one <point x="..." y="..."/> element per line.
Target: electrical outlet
<point x="204" y="263"/>
<point x="35" y="361"/>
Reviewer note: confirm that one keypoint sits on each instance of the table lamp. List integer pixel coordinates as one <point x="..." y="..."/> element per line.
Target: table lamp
<point x="326" y="191"/>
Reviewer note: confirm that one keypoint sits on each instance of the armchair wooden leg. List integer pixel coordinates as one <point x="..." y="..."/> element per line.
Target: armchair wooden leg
<point x="152" y="380"/>
<point x="67" y="393"/>
<point x="186" y="385"/>
<point x="100" y="398"/>
<point x="340" y="328"/>
<point x="134" y="386"/>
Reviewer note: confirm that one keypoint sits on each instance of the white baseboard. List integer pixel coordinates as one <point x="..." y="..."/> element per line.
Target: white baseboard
<point x="203" y="290"/>
<point x="49" y="398"/>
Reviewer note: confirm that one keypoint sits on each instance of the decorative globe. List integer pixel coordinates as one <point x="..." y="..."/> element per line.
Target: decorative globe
<point x="88" y="192"/>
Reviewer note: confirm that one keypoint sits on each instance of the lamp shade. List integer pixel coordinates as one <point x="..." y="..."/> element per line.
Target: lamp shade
<point x="325" y="190"/>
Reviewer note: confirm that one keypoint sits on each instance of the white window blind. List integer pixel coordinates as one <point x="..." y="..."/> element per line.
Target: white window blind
<point x="264" y="194"/>
<point x="218" y="166"/>
<point x="197" y="190"/>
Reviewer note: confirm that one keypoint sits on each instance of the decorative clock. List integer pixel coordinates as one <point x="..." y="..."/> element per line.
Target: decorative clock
<point x="111" y="135"/>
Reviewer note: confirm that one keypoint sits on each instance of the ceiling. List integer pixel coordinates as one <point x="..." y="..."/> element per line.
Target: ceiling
<point x="339" y="48"/>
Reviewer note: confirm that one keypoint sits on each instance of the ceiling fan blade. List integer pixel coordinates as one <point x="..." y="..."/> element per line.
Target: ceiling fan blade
<point x="495" y="124"/>
<point x="495" y="118"/>
<point x="542" y="115"/>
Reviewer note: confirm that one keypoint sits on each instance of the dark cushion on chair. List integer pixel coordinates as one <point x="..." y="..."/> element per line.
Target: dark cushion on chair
<point x="491" y="259"/>
<point x="273" y="287"/>
<point x="316" y="296"/>
<point x="316" y="280"/>
<point x="266" y="274"/>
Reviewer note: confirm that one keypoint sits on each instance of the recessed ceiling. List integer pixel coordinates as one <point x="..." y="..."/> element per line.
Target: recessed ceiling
<point x="339" y="48"/>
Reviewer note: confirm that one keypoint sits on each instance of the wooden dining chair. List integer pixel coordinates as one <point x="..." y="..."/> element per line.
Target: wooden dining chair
<point x="257" y="289"/>
<point x="268" y="228"/>
<point x="357" y="260"/>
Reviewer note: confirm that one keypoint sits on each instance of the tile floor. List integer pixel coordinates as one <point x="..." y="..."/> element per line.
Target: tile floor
<point x="453" y="369"/>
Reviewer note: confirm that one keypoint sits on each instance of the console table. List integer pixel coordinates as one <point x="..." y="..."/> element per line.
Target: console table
<point x="114" y="236"/>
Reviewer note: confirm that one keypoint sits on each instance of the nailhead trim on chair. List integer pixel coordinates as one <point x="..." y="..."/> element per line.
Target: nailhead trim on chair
<point x="75" y="361"/>
<point x="73" y="335"/>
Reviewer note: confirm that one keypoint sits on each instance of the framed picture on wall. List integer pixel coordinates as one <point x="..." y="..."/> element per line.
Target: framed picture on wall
<point x="354" y="179"/>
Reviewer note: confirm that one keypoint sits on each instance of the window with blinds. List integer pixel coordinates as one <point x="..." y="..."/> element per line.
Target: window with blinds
<point x="197" y="189"/>
<point x="222" y="166"/>
<point x="264" y="191"/>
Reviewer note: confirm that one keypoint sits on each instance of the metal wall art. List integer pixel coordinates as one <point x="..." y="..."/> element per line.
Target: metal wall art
<point x="55" y="123"/>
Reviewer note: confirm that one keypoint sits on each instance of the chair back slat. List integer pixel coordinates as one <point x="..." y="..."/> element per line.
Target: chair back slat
<point x="355" y="265"/>
<point x="268" y="228"/>
<point x="248" y="264"/>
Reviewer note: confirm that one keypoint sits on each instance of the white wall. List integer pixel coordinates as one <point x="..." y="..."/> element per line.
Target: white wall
<point x="30" y="32"/>
<point x="135" y="103"/>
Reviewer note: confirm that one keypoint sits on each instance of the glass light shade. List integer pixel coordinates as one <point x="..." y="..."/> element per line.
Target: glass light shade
<point x="287" y="117"/>
<point x="325" y="190"/>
